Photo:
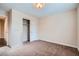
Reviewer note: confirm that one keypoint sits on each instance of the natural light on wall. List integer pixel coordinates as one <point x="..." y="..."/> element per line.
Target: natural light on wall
<point x="39" y="5"/>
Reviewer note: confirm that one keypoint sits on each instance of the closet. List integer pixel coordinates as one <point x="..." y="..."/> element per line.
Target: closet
<point x="26" y="31"/>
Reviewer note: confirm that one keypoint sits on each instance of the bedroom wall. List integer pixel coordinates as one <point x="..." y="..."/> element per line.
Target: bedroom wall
<point x="16" y="28"/>
<point x="2" y="12"/>
<point x="59" y="28"/>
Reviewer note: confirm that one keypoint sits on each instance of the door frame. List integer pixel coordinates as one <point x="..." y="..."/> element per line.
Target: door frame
<point x="5" y="18"/>
<point x="28" y="29"/>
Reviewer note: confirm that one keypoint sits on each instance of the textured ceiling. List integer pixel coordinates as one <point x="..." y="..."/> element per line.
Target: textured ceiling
<point x="50" y="8"/>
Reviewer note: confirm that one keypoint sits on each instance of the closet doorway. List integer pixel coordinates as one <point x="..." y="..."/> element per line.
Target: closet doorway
<point x="26" y="30"/>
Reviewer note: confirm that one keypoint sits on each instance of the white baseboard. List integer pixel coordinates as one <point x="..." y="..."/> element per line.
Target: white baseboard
<point x="62" y="43"/>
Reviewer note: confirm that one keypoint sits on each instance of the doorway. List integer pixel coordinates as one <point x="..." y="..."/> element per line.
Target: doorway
<point x="26" y="30"/>
<point x="1" y="28"/>
<point x="2" y="31"/>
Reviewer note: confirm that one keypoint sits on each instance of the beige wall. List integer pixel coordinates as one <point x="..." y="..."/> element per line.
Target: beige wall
<point x="59" y="28"/>
<point x="16" y="28"/>
<point x="2" y="13"/>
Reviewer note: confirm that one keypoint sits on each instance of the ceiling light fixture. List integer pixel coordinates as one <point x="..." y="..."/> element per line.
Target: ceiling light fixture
<point x="39" y="5"/>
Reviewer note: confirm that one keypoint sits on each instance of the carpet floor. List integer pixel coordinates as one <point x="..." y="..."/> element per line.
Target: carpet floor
<point x="43" y="48"/>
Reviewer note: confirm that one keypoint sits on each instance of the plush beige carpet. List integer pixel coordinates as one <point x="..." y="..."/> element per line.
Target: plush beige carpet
<point x="42" y="48"/>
